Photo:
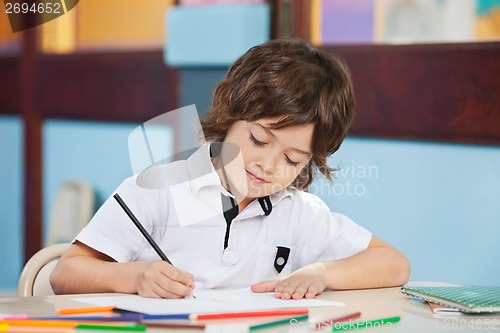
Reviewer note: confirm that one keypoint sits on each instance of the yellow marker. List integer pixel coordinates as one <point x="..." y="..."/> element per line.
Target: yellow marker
<point x="58" y="323"/>
<point x="4" y="327"/>
<point x="41" y="323"/>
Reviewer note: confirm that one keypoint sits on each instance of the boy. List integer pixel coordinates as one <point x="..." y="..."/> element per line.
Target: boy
<point x="287" y="106"/>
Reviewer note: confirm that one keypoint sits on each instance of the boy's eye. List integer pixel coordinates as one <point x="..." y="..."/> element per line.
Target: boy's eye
<point x="260" y="144"/>
<point x="255" y="141"/>
<point x="289" y="161"/>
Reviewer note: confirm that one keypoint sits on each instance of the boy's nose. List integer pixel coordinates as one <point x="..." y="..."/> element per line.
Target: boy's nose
<point x="268" y="163"/>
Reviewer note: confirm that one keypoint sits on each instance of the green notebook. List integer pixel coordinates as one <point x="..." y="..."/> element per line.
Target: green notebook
<point x="470" y="299"/>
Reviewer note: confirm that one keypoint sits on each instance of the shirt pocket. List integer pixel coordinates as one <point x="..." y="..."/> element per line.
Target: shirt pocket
<point x="264" y="266"/>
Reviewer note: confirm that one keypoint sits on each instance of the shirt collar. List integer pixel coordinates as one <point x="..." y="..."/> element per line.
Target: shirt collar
<point x="254" y="208"/>
<point x="201" y="171"/>
<point x="278" y="196"/>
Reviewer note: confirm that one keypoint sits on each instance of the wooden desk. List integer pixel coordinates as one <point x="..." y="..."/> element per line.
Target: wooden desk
<point x="372" y="303"/>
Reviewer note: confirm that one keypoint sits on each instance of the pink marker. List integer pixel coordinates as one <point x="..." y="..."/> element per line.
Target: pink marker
<point x="15" y="316"/>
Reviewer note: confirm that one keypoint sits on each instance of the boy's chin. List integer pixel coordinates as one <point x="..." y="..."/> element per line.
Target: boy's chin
<point x="258" y="191"/>
<point x="260" y="194"/>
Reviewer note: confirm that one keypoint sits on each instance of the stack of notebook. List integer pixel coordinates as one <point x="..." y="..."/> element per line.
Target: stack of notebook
<point x="469" y="299"/>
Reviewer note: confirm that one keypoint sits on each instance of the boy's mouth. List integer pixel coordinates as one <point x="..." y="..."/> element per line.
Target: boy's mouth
<point x="256" y="178"/>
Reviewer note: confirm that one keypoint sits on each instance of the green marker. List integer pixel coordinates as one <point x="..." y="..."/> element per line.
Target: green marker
<point x="377" y="323"/>
<point x="278" y="322"/>
<point x="135" y="328"/>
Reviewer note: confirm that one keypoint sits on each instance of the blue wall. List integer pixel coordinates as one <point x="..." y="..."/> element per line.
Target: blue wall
<point x="93" y="152"/>
<point x="11" y="200"/>
<point x="89" y="151"/>
<point x="437" y="203"/>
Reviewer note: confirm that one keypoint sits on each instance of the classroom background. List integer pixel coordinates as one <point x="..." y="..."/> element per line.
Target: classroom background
<point x="435" y="196"/>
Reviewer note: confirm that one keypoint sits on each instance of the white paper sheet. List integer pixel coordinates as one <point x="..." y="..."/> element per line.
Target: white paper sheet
<point x="206" y="301"/>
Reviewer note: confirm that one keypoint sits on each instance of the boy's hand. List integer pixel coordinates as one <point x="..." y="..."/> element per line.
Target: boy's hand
<point x="307" y="282"/>
<point x="159" y="279"/>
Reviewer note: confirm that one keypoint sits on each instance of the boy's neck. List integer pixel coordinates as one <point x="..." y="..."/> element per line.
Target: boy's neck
<point x="244" y="203"/>
<point x="242" y="200"/>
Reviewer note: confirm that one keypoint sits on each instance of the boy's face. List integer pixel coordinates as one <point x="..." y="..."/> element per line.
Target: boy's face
<point x="272" y="158"/>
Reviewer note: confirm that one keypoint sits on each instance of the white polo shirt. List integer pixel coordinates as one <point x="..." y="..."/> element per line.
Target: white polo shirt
<point x="299" y="221"/>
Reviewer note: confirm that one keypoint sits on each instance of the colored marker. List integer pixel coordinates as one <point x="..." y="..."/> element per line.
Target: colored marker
<point x="377" y="323"/>
<point x="135" y="328"/>
<point x="15" y="316"/>
<point x="331" y="322"/>
<point x="166" y="316"/>
<point x="92" y="309"/>
<point x="125" y="317"/>
<point x="245" y="314"/>
<point x="48" y="323"/>
<point x="41" y="323"/>
<point x="175" y="325"/>
<point x="278" y="322"/>
<point x="246" y="328"/>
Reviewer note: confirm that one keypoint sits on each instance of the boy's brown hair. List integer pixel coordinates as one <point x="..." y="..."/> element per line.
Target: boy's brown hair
<point x="291" y="80"/>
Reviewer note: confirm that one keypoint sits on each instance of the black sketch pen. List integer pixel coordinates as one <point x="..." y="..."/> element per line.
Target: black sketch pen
<point x="141" y="229"/>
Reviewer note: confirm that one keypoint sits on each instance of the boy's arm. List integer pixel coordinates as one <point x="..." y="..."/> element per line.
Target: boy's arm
<point x="380" y="265"/>
<point x="84" y="270"/>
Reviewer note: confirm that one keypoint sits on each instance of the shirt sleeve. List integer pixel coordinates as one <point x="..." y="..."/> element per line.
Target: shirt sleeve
<point x="327" y="236"/>
<point x="112" y="232"/>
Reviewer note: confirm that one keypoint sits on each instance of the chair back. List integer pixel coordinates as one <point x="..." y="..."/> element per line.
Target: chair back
<point x="72" y="209"/>
<point x="35" y="276"/>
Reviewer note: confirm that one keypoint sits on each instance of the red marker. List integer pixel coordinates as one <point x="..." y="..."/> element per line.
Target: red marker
<point x="245" y="314"/>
